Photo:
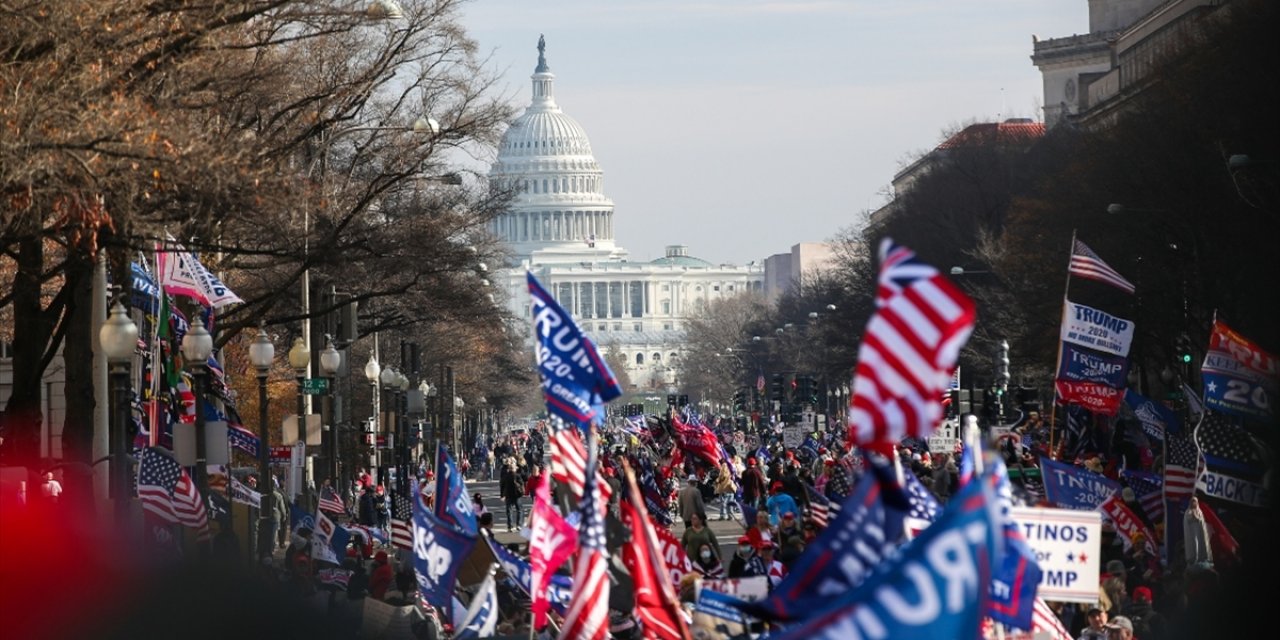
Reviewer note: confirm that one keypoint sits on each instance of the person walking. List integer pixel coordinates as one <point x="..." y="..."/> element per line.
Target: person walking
<point x="690" y="500"/>
<point x="725" y="490"/>
<point x="753" y="486"/>
<point x="510" y="488"/>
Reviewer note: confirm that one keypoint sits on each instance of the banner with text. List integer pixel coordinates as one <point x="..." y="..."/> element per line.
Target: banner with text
<point x="1068" y="546"/>
<point x="1096" y="329"/>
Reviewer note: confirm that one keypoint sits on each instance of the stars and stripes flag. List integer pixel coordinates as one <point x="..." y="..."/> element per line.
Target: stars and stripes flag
<point x="908" y="351"/>
<point x="821" y="510"/>
<point x="569" y="460"/>
<point x="402" y="522"/>
<point x="166" y="490"/>
<point x="1148" y="488"/>
<point x="1045" y="621"/>
<point x="588" y="614"/>
<point x="1086" y="264"/>
<point x="482" y="615"/>
<point x="1180" y="467"/>
<point x="330" y="502"/>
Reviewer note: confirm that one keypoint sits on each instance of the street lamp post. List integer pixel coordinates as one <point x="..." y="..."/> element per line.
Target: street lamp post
<point x="402" y="434"/>
<point x="119" y="339"/>
<point x="261" y="353"/>
<point x="390" y="380"/>
<point x="373" y="373"/>
<point x="300" y="361"/>
<point x="330" y="360"/>
<point x="197" y="345"/>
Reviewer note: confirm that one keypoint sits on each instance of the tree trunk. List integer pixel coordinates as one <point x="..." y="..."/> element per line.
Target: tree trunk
<point x="31" y="332"/>
<point x="77" y="430"/>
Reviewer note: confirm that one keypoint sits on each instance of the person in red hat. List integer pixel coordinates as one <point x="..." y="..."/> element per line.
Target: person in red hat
<point x="746" y="562"/>
<point x="753" y="487"/>
<point x="779" y="503"/>
<point x="1147" y="622"/>
<point x="380" y="579"/>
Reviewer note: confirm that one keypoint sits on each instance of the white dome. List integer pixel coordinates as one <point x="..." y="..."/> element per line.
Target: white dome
<point x="560" y="207"/>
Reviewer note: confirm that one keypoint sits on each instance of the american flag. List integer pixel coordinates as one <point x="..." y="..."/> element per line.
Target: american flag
<point x="1229" y="449"/>
<point x="569" y="460"/>
<point x="1086" y="264"/>
<point x="588" y="614"/>
<point x="1180" y="467"/>
<point x="334" y="577"/>
<point x="1044" y="620"/>
<point x="402" y="523"/>
<point x="166" y="491"/>
<point x="821" y="510"/>
<point x="1148" y="488"/>
<point x="330" y="502"/>
<point x="908" y="350"/>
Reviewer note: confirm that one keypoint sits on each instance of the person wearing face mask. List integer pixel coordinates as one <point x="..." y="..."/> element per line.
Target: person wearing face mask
<point x="697" y="535"/>
<point x="745" y="561"/>
<point x="707" y="562"/>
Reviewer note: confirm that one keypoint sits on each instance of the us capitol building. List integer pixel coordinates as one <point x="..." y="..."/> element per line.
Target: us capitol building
<point x="560" y="227"/>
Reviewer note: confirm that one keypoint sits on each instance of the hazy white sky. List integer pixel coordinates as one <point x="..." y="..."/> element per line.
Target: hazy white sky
<point x="742" y="127"/>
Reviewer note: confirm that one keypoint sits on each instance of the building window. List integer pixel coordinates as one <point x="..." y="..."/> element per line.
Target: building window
<point x="638" y="327"/>
<point x="715" y="288"/>
<point x="601" y="327"/>
<point x="667" y="326"/>
<point x="617" y="326"/>
<point x="666" y="307"/>
<point x="657" y="357"/>
<point x="639" y="358"/>
<point x="666" y="287"/>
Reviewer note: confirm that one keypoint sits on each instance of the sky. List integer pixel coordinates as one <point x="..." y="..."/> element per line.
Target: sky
<point x="742" y="127"/>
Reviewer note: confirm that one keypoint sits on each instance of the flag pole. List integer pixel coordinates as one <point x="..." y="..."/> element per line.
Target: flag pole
<point x="1053" y="406"/>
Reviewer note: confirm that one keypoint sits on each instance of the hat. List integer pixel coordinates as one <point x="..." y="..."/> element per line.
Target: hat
<point x="744" y="540"/>
<point x="776" y="485"/>
<point x="790" y="515"/>
<point x="1093" y="609"/>
<point x="829" y="462"/>
<point x="768" y="544"/>
<point x="693" y="477"/>
<point x="822" y="450"/>
<point x="751" y="461"/>
<point x="1120" y="622"/>
<point x="1142" y="594"/>
<point x="1115" y="566"/>
<point x="381" y="556"/>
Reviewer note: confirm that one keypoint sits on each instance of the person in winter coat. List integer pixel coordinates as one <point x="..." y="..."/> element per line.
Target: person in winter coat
<point x="691" y="501"/>
<point x="367" y="510"/>
<point x="696" y="535"/>
<point x="511" y="488"/>
<point x="753" y="486"/>
<point x="942" y="470"/>
<point x="382" y="576"/>
<point x="725" y="491"/>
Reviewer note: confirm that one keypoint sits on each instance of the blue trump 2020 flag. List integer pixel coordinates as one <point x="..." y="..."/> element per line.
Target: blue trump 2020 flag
<point x="1072" y="487"/>
<point x="838" y="560"/>
<point x="576" y="382"/>
<point x="937" y="586"/>
<point x="439" y="550"/>
<point x="453" y="506"/>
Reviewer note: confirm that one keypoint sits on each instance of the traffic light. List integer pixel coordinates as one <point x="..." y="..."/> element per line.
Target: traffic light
<point x="804" y="389"/>
<point x="740" y="400"/>
<point x="775" y="388"/>
<point x="789" y="389"/>
<point x="1183" y="348"/>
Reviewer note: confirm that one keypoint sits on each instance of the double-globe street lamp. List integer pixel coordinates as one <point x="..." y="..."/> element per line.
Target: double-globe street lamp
<point x="262" y="352"/>
<point x="119" y="339"/>
<point x="330" y="361"/>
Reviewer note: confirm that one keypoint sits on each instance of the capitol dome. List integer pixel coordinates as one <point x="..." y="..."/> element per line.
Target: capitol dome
<point x="560" y="212"/>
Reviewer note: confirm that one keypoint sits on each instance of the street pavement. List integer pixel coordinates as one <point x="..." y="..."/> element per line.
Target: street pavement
<point x="727" y="531"/>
